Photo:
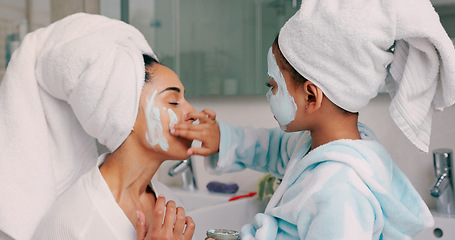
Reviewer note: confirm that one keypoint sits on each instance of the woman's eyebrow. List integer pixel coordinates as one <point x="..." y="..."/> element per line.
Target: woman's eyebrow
<point x="171" y="89"/>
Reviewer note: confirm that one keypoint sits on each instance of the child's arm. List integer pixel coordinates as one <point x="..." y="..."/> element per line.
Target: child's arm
<point x="265" y="150"/>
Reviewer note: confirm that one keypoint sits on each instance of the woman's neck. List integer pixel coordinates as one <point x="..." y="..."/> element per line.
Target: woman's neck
<point x="128" y="172"/>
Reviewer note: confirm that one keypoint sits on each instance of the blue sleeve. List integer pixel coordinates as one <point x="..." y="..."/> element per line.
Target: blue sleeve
<point x="264" y="150"/>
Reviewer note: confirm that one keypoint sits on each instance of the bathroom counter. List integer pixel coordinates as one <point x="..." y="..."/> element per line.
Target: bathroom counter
<point x="443" y="229"/>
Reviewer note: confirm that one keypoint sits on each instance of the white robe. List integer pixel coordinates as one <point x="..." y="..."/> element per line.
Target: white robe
<point x="345" y="189"/>
<point x="88" y="210"/>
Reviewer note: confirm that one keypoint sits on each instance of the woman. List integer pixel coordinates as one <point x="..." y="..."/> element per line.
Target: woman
<point x="83" y="78"/>
<point x="119" y="188"/>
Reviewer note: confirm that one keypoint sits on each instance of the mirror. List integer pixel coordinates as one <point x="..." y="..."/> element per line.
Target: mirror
<point x="217" y="47"/>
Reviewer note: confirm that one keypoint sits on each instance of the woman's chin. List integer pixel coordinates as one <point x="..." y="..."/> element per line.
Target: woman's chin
<point x="179" y="151"/>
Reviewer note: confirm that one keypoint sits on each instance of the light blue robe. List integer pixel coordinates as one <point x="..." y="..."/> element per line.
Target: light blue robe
<point x="345" y="189"/>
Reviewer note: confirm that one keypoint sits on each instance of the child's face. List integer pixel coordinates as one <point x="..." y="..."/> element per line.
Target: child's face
<point x="281" y="101"/>
<point x="162" y="105"/>
<point x="287" y="99"/>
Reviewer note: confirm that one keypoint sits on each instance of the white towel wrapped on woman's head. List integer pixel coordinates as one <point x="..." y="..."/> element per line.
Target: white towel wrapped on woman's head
<point x="349" y="47"/>
<point x="76" y="80"/>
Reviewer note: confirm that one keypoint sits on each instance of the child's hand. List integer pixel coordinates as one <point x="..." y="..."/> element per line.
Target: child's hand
<point x="207" y="131"/>
<point x="176" y="225"/>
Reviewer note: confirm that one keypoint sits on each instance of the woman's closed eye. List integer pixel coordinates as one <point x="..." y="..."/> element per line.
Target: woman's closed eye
<point x="174" y="103"/>
<point x="267" y="84"/>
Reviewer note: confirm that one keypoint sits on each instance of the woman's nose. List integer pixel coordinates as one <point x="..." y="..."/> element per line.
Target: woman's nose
<point x="189" y="119"/>
<point x="187" y="116"/>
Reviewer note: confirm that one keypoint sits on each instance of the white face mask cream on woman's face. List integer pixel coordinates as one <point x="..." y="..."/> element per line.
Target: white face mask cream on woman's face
<point x="282" y="103"/>
<point x="154" y="134"/>
<point x="173" y="119"/>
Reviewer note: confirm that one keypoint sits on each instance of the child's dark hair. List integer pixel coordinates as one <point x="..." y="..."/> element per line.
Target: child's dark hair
<point x="296" y="76"/>
<point x="149" y="62"/>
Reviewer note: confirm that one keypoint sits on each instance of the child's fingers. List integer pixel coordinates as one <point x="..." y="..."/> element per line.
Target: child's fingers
<point x="196" y="115"/>
<point x="188" y="131"/>
<point x="179" y="221"/>
<point x="203" y="117"/>
<point x="189" y="230"/>
<point x="169" y="219"/>
<point x="140" y="226"/>
<point x="186" y="126"/>
<point x="200" y="151"/>
<point x="210" y="113"/>
<point x="188" y="134"/>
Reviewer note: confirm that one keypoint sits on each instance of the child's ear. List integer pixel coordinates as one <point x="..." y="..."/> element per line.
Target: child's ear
<point x="314" y="96"/>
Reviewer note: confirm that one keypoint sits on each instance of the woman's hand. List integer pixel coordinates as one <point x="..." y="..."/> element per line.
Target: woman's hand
<point x="207" y="131"/>
<point x="176" y="226"/>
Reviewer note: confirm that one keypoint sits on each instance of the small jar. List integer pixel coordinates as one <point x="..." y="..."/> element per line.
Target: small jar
<point x="223" y="234"/>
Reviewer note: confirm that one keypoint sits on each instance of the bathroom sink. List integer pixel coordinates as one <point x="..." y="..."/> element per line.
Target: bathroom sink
<point x="211" y="210"/>
<point x="443" y="229"/>
<point x="195" y="199"/>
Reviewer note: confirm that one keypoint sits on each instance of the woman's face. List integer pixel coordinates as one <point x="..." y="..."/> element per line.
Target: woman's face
<point x="162" y="104"/>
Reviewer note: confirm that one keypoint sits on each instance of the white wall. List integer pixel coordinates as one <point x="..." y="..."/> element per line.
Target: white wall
<point x="254" y="111"/>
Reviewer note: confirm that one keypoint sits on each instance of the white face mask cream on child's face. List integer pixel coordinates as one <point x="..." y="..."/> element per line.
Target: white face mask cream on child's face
<point x="155" y="134"/>
<point x="282" y="103"/>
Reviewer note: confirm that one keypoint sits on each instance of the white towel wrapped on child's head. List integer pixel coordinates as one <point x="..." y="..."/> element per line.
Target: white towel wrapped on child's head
<point x="76" y="80"/>
<point x="349" y="47"/>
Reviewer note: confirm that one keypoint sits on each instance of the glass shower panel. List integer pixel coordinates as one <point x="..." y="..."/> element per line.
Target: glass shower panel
<point x="156" y="20"/>
<point x="274" y="14"/>
<point x="217" y="47"/>
<point x="17" y="18"/>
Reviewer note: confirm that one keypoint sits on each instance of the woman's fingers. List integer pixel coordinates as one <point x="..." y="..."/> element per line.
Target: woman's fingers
<point x="180" y="220"/>
<point x="174" y="226"/>
<point x="169" y="219"/>
<point x="158" y="214"/>
<point x="140" y="226"/>
<point x="189" y="230"/>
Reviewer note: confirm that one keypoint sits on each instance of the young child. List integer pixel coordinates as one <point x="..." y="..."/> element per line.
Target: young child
<point x="328" y="61"/>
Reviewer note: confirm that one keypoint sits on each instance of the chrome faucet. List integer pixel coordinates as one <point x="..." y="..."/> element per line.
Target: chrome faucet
<point x="443" y="189"/>
<point x="185" y="168"/>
